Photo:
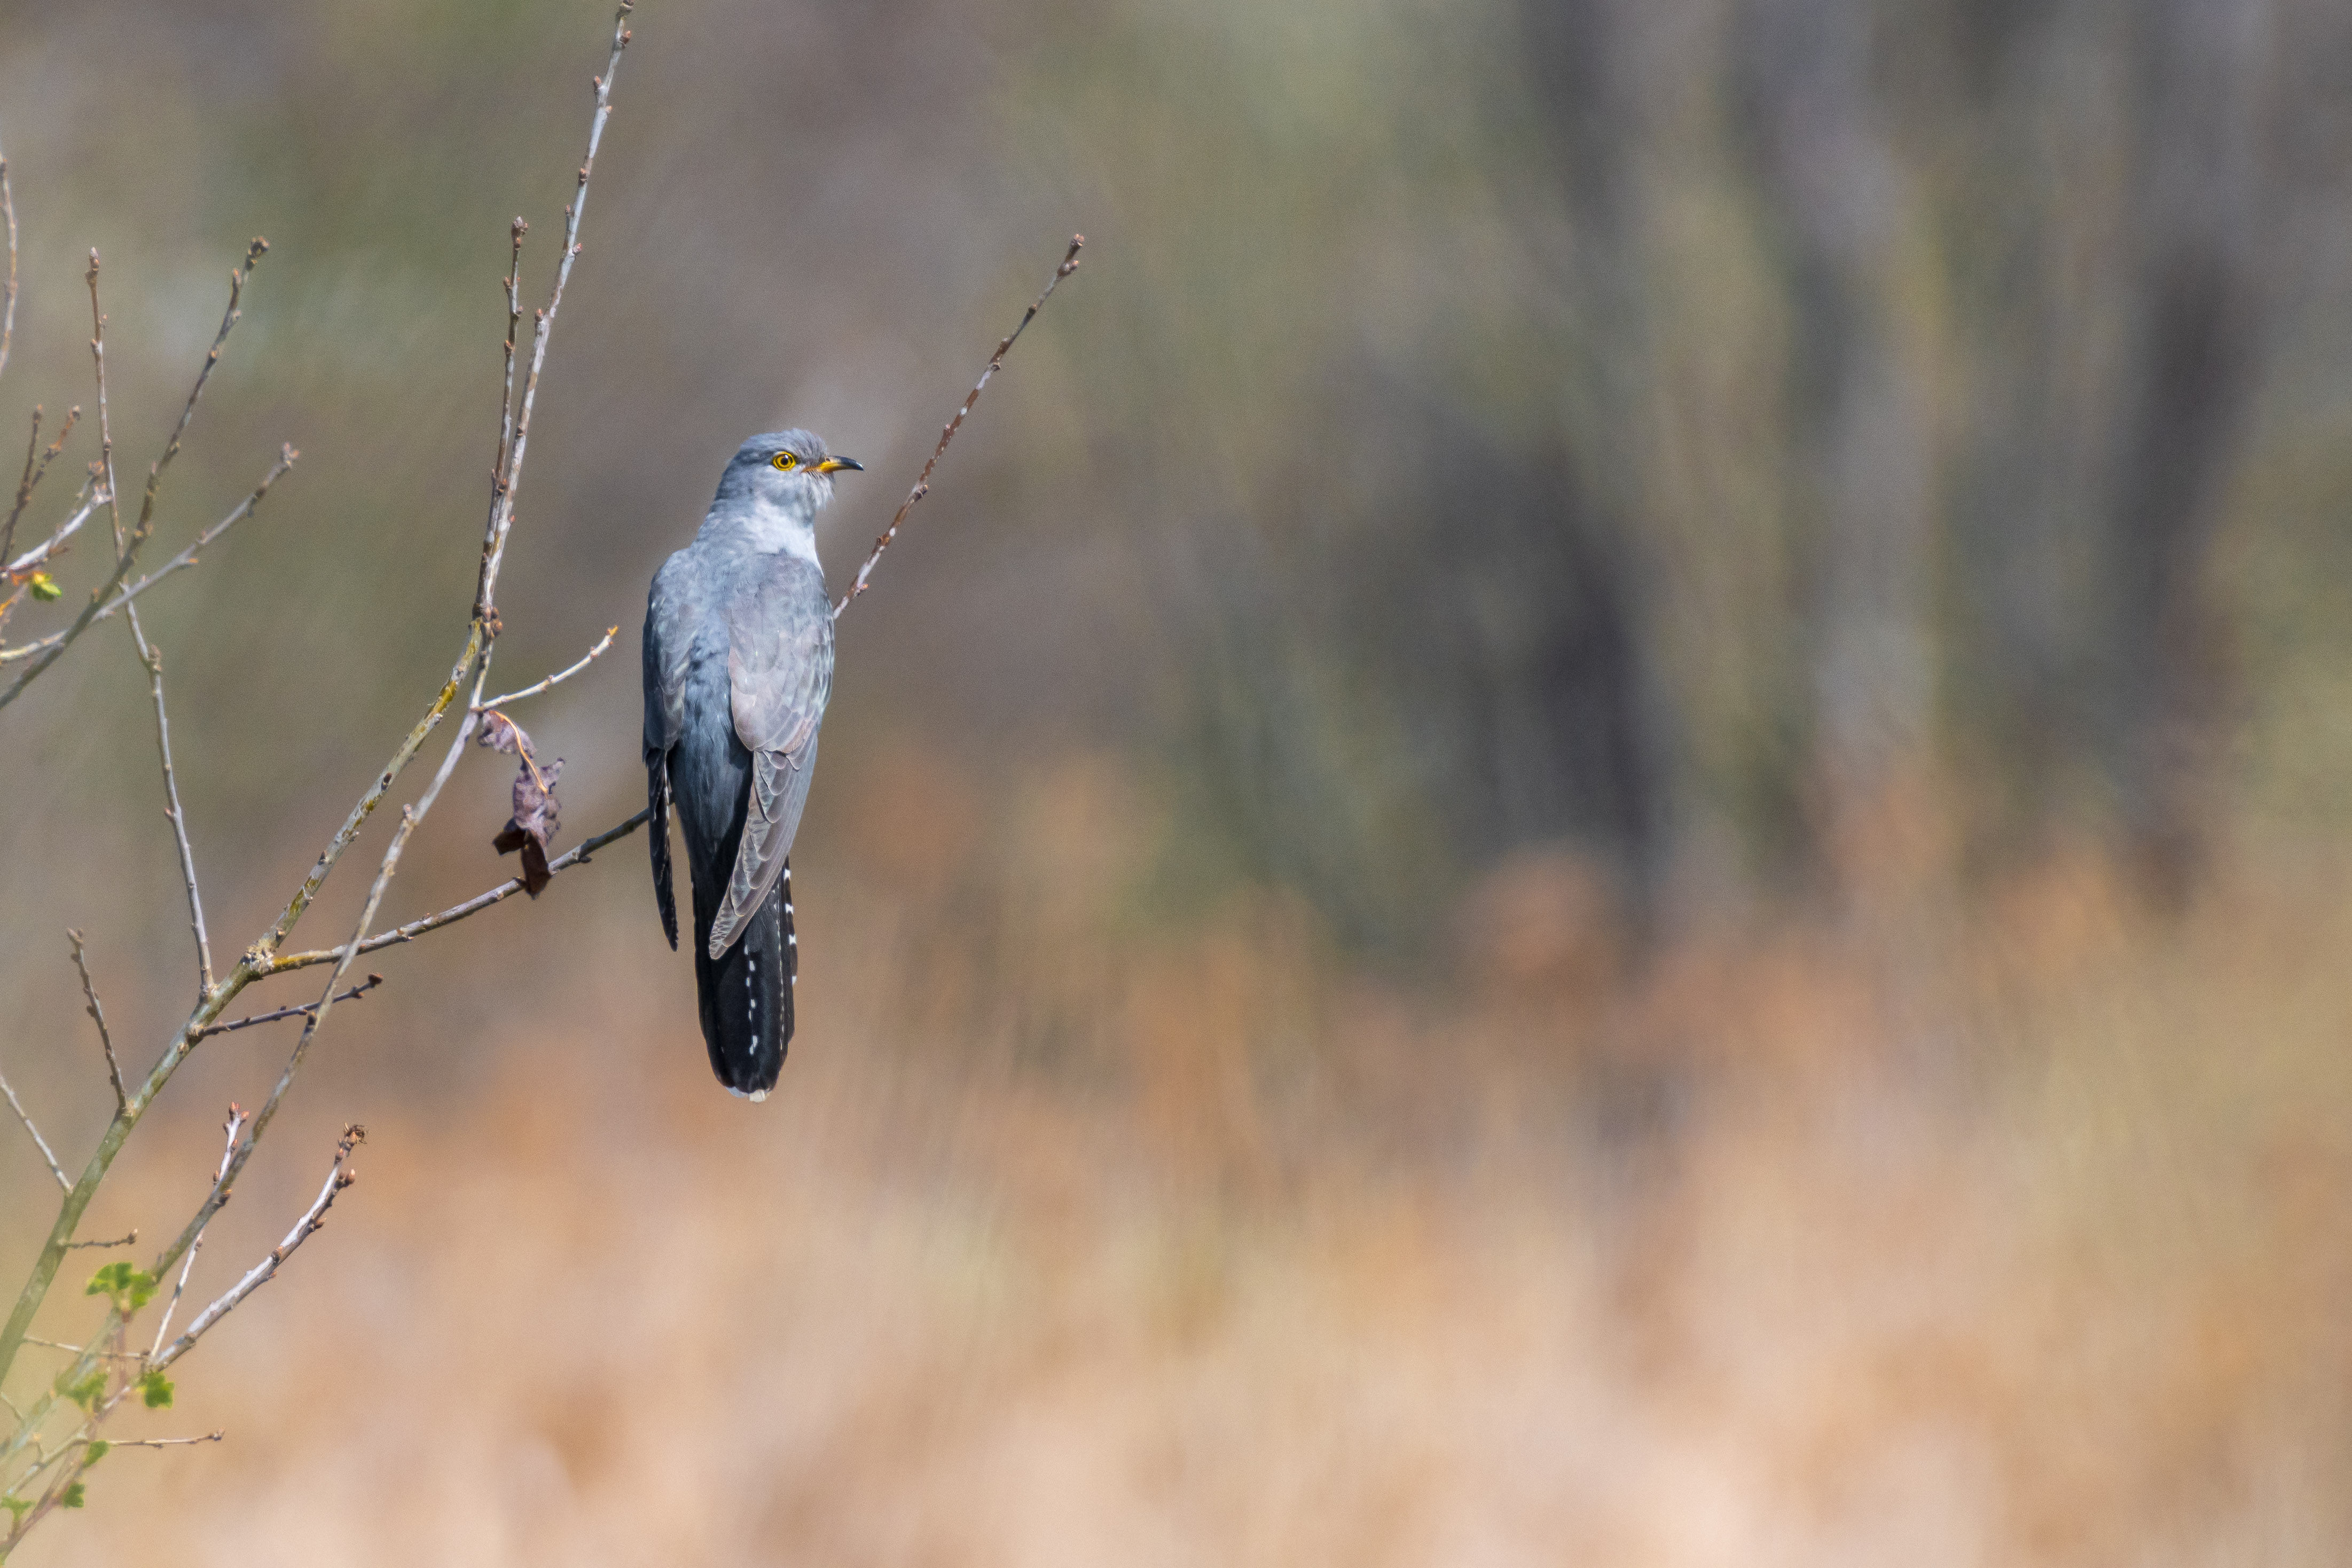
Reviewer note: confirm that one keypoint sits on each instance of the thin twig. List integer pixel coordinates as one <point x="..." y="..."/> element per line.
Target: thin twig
<point x="304" y="1011"/>
<point x="339" y="1176"/>
<point x="473" y="906"/>
<point x="946" y="434"/>
<point x="38" y="1141"/>
<point x="98" y="1016"/>
<point x="229" y="1129"/>
<point x="502" y="502"/>
<point x="149" y="658"/>
<point x="81" y="1350"/>
<point x="558" y="678"/>
<point x="164" y="1442"/>
<point x="105" y="424"/>
<point x="513" y="281"/>
<point x="37" y="459"/>
<point x="152" y="658"/>
<point x="130" y="1240"/>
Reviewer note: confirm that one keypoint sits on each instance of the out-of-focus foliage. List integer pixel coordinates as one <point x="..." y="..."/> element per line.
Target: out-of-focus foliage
<point x="1676" y="429"/>
<point x="1487" y="876"/>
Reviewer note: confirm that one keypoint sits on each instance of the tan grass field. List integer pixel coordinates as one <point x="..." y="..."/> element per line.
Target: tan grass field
<point x="2018" y="1238"/>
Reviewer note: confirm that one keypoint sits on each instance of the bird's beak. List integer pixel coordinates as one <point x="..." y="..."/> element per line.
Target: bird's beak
<point x="852" y="464"/>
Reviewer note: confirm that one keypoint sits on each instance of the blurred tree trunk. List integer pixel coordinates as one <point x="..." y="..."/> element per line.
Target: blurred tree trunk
<point x="1862" y="460"/>
<point x="2193" y="292"/>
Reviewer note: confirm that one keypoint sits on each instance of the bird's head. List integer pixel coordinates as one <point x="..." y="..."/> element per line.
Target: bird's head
<point x="788" y="468"/>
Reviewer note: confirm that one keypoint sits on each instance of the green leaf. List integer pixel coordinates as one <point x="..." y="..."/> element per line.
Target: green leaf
<point x="17" y="1507"/>
<point x="44" y="587"/>
<point x="98" y="1448"/>
<point x="84" y="1393"/>
<point x="73" y="1497"/>
<point x="130" y="1288"/>
<point x="156" y="1389"/>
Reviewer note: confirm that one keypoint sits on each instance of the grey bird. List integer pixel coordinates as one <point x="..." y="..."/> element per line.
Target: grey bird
<point x="739" y="663"/>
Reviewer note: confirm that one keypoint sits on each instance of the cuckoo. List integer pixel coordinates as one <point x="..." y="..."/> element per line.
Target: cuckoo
<point x="739" y="663"/>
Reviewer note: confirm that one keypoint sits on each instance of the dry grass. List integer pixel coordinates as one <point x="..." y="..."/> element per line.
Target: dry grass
<point x="2022" y="1237"/>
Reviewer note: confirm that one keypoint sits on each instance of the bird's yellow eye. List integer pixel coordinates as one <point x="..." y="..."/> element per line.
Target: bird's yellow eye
<point x="785" y="460"/>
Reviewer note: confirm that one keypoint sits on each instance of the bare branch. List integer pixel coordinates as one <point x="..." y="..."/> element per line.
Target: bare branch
<point x="473" y="906"/>
<point x="80" y="1350"/>
<point x="105" y="423"/>
<point x="339" y="1176"/>
<point x="38" y="1141"/>
<point x="229" y="1128"/>
<point x="130" y="1240"/>
<point x="304" y="1011"/>
<point x="37" y="459"/>
<point x="152" y="658"/>
<point x="995" y="363"/>
<point x="98" y="1016"/>
<point x="164" y="1442"/>
<point x="558" y="678"/>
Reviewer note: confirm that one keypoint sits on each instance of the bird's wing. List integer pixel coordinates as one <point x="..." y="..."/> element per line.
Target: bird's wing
<point x="779" y="673"/>
<point x="668" y="640"/>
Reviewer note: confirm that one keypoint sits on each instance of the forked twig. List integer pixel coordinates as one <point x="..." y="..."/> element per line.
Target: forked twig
<point x="995" y="363"/>
<point x="287" y="457"/>
<point x="229" y="1128"/>
<point x="339" y="1176"/>
<point x="91" y="497"/>
<point x="37" y="459"/>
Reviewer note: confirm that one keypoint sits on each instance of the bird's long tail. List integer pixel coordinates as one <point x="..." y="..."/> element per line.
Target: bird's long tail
<point x="747" y="990"/>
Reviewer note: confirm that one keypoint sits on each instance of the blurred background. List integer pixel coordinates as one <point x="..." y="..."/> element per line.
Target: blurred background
<point x="1600" y="818"/>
